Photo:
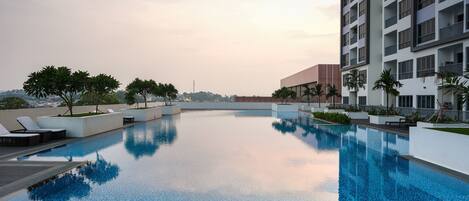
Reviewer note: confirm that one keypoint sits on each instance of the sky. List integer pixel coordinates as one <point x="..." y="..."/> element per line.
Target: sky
<point x="232" y="47"/>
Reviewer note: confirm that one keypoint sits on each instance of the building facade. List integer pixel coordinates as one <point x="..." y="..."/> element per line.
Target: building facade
<point x="361" y="48"/>
<point x="324" y="74"/>
<point x="422" y="38"/>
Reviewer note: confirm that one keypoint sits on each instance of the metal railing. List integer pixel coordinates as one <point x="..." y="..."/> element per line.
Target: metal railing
<point x="390" y="21"/>
<point x="353" y="39"/>
<point x="353" y="61"/>
<point x="425" y="73"/>
<point x="452" y="68"/>
<point x="426" y="38"/>
<point x="451" y="31"/>
<point x="408" y="75"/>
<point x="390" y="50"/>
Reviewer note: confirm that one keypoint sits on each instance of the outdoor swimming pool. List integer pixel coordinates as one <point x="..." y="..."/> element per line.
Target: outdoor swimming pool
<point x="243" y="155"/>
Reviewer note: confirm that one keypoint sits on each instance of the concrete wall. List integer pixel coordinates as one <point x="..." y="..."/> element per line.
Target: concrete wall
<point x="8" y="117"/>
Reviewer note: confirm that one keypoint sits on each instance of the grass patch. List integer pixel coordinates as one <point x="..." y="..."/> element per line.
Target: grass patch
<point x="82" y="114"/>
<point x="462" y="131"/>
<point x="333" y="117"/>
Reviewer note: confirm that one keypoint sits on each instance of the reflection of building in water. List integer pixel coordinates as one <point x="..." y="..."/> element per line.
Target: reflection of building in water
<point x="371" y="169"/>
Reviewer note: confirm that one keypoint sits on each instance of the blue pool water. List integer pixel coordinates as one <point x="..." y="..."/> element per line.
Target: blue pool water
<point x="243" y="156"/>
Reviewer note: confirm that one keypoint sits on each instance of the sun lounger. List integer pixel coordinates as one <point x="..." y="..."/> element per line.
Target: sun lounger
<point x="31" y="126"/>
<point x="127" y="119"/>
<point x="17" y="139"/>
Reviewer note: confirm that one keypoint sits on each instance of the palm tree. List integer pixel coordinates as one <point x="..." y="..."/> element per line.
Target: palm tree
<point x="332" y="92"/>
<point x="453" y="84"/>
<point x="353" y="82"/>
<point x="308" y="92"/>
<point x="318" y="92"/>
<point x="387" y="83"/>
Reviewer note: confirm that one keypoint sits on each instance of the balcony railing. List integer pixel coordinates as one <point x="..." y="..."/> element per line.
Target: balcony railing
<point x="390" y="50"/>
<point x="408" y="75"/>
<point x="353" y="61"/>
<point x="456" y="68"/>
<point x="390" y="21"/>
<point x="425" y="73"/>
<point x="425" y="38"/>
<point x="353" y="18"/>
<point x="452" y="30"/>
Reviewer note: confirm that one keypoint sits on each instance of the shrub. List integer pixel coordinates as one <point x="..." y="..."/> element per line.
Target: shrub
<point x="333" y="117"/>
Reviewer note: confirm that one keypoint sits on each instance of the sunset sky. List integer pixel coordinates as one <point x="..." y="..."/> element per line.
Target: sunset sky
<point x="241" y="47"/>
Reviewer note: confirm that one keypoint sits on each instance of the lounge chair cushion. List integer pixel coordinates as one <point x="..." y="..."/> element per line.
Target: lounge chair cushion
<point x="28" y="123"/>
<point x="50" y="130"/>
<point x="3" y="130"/>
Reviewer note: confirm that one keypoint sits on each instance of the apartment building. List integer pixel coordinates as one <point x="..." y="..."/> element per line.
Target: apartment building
<point x="361" y="48"/>
<point x="421" y="38"/>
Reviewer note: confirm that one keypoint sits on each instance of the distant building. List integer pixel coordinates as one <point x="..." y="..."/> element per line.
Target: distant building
<point x="324" y="74"/>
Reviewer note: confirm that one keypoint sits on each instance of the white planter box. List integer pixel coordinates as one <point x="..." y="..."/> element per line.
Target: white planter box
<point x="144" y="114"/>
<point x="440" y="125"/>
<point x="83" y="126"/>
<point x="442" y="148"/>
<point x="317" y="109"/>
<point x="357" y="115"/>
<point x="381" y="120"/>
<point x="285" y="107"/>
<point x="170" y="110"/>
<point x="327" y="110"/>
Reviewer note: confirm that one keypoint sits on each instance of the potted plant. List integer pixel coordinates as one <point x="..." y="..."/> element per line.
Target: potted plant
<point x="283" y="94"/>
<point x="142" y="89"/>
<point x="389" y="85"/>
<point x="99" y="88"/>
<point x="169" y="93"/>
<point x="68" y="85"/>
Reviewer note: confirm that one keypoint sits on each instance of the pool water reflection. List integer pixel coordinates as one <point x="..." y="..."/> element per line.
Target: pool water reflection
<point x="243" y="155"/>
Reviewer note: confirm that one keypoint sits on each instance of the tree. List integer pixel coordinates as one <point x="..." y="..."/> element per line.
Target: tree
<point x="318" y="92"/>
<point x="353" y="82"/>
<point x="388" y="84"/>
<point x="9" y="103"/>
<point x="140" y="87"/>
<point x="308" y="92"/>
<point x="99" y="88"/>
<point x="332" y="92"/>
<point x="168" y="92"/>
<point x="453" y="84"/>
<point x="61" y="82"/>
<point x="284" y="93"/>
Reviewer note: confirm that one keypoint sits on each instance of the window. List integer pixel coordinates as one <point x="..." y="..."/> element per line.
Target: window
<point x="345" y="39"/>
<point x="424" y="3"/>
<point x="426" y="66"/>
<point x="426" y="31"/>
<point x="345" y="59"/>
<point x="362" y="8"/>
<point x="345" y="100"/>
<point x="406" y="70"/>
<point x="405" y="101"/>
<point x="362" y="75"/>
<point x="426" y="102"/>
<point x="362" y="31"/>
<point x="404" y="38"/>
<point x="405" y="8"/>
<point x="344" y="80"/>
<point x="362" y="100"/>
<point x="361" y="54"/>
<point x="346" y="18"/>
<point x="345" y="2"/>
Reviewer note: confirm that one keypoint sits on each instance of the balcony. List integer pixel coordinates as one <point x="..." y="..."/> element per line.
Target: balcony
<point x="353" y="61"/>
<point x="353" y="18"/>
<point x="452" y="31"/>
<point x="425" y="38"/>
<point x="390" y="21"/>
<point x="407" y="75"/>
<point x="390" y="50"/>
<point x="456" y="68"/>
